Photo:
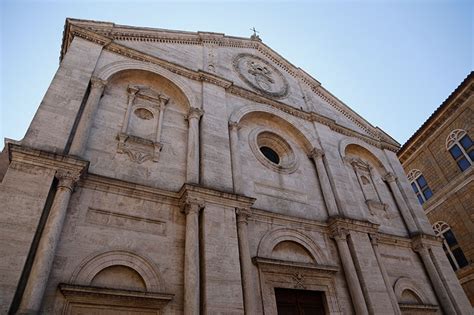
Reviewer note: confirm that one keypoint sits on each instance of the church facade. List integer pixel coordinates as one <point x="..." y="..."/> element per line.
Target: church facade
<point x="170" y="172"/>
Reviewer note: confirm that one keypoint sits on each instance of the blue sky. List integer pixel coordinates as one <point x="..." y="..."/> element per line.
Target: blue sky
<point x="393" y="62"/>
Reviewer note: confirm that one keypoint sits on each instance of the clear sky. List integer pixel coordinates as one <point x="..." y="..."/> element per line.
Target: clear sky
<point x="393" y="62"/>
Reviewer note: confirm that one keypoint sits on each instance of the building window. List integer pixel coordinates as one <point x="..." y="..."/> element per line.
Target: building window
<point x="459" y="144"/>
<point x="450" y="245"/>
<point x="270" y="154"/>
<point x="420" y="186"/>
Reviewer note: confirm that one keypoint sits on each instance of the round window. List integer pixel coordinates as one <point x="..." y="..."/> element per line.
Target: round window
<point x="273" y="151"/>
<point x="270" y="154"/>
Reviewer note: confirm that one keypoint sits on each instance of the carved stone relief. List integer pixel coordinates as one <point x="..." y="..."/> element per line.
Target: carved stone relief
<point x="141" y="129"/>
<point x="261" y="75"/>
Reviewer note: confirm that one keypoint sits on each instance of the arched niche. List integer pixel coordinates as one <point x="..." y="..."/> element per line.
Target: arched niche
<point x="140" y="130"/>
<point x="292" y="251"/>
<point x="295" y="126"/>
<point x="132" y="264"/>
<point x="277" y="186"/>
<point x="367" y="172"/>
<point x="109" y="70"/>
<point x="407" y="291"/>
<point x="285" y="238"/>
<point x="355" y="147"/>
<point x="119" y="278"/>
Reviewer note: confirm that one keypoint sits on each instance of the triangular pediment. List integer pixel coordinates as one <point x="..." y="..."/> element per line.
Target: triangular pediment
<point x="245" y="63"/>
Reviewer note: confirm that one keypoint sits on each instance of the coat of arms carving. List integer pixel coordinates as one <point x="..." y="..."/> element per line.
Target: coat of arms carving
<point x="261" y="75"/>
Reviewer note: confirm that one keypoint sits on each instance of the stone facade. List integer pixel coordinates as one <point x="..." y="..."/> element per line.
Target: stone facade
<point x="432" y="152"/>
<point x="170" y="172"/>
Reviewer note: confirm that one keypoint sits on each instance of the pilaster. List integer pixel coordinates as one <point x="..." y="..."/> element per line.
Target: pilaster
<point x="328" y="194"/>
<point x="193" y="156"/>
<point x="53" y="122"/>
<point x="83" y="129"/>
<point x="191" y="208"/>
<point x="43" y="261"/>
<point x="401" y="204"/>
<point x="248" y="284"/>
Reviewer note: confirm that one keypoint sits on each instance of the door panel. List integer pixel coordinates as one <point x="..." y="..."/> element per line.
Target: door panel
<point x="299" y="302"/>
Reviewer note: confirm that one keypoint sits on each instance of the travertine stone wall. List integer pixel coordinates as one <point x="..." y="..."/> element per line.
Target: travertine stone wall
<point x="221" y="286"/>
<point x="73" y="76"/>
<point x="215" y="150"/>
<point x="19" y="226"/>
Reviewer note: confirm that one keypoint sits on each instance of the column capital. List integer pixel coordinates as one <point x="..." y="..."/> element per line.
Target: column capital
<point x="191" y="206"/>
<point x="339" y="233"/>
<point x="243" y="214"/>
<point x="195" y="112"/>
<point x="163" y="101"/>
<point x="420" y="247"/>
<point x="389" y="177"/>
<point x="97" y="83"/>
<point x="67" y="178"/>
<point x="233" y="125"/>
<point x="316" y="153"/>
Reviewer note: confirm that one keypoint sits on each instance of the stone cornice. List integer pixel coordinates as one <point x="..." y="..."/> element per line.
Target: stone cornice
<point x="426" y="241"/>
<point x="336" y="224"/>
<point x="96" y="295"/>
<point x="393" y="240"/>
<point x="22" y="154"/>
<point x="209" y="195"/>
<point x="290" y="265"/>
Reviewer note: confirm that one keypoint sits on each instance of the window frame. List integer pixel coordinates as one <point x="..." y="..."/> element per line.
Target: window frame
<point x="421" y="192"/>
<point x="454" y="140"/>
<point x="441" y="228"/>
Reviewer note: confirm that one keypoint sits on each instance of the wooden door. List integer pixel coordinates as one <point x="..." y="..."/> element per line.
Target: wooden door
<point x="299" y="302"/>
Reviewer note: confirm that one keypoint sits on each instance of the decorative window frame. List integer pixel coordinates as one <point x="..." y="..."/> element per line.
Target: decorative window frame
<point x="137" y="148"/>
<point x="264" y="137"/>
<point x="413" y="177"/>
<point x="440" y="228"/>
<point x="454" y="139"/>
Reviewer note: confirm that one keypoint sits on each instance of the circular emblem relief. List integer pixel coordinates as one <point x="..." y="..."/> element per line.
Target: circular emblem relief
<point x="261" y="75"/>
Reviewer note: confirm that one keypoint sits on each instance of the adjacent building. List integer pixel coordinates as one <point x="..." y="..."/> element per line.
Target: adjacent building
<point x="439" y="161"/>
<point x="170" y="172"/>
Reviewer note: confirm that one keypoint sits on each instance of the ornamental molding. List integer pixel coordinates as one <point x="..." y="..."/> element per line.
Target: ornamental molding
<point x="339" y="225"/>
<point x="39" y="158"/>
<point x="105" y="33"/>
<point x="211" y="196"/>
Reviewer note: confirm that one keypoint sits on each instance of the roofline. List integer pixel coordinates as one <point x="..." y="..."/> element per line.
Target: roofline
<point x="434" y="116"/>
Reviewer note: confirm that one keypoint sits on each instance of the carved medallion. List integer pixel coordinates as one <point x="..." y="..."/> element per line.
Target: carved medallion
<point x="261" y="75"/>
